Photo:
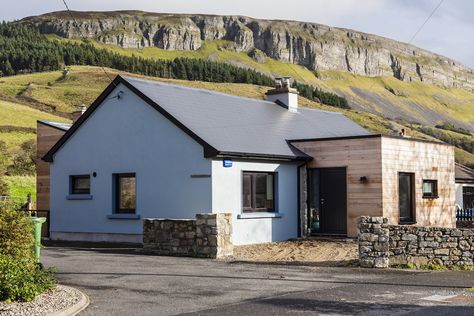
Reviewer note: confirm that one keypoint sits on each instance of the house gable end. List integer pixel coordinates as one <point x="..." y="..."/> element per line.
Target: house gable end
<point x="209" y="151"/>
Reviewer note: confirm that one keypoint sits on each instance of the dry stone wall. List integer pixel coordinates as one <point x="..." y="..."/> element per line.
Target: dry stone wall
<point x="207" y="236"/>
<point x="382" y="245"/>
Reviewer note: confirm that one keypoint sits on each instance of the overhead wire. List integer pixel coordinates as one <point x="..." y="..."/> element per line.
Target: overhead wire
<point x="85" y="38"/>
<point x="420" y="28"/>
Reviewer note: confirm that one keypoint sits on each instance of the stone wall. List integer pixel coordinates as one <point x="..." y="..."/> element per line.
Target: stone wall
<point x="208" y="236"/>
<point x="382" y="245"/>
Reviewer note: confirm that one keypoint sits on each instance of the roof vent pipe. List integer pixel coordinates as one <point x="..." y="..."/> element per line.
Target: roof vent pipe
<point x="283" y="94"/>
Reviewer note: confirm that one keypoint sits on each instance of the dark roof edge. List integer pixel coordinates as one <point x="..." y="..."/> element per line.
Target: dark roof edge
<point x="53" y="126"/>
<point x="464" y="181"/>
<point x="262" y="156"/>
<point x="209" y="151"/>
<point x="368" y="136"/>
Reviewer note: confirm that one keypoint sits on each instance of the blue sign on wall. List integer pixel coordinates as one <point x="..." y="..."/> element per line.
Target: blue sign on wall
<point x="227" y="163"/>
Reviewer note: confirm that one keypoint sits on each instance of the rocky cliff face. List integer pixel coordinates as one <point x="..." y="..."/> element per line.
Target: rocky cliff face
<point x="315" y="46"/>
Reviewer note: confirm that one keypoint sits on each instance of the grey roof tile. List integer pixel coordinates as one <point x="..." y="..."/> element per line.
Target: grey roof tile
<point x="242" y="125"/>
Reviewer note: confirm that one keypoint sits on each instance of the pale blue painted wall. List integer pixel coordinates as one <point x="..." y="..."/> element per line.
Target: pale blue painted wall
<point x="128" y="135"/>
<point x="227" y="197"/>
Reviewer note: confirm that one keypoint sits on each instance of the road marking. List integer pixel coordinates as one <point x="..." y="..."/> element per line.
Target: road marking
<point x="438" y="298"/>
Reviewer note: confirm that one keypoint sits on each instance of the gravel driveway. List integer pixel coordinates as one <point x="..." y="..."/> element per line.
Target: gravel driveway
<point x="123" y="282"/>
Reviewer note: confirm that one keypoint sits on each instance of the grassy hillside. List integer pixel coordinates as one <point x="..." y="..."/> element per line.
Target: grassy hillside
<point x="412" y="101"/>
<point x="64" y="93"/>
<point x="18" y="126"/>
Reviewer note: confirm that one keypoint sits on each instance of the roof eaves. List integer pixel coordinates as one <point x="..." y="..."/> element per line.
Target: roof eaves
<point x="259" y="156"/>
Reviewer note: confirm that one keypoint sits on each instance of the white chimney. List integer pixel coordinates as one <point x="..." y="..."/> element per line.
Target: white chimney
<point x="77" y="113"/>
<point x="283" y="94"/>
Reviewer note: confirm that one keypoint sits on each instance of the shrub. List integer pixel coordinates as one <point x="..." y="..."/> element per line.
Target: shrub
<point x="21" y="279"/>
<point x="3" y="187"/>
<point x="24" y="161"/>
<point x="451" y="127"/>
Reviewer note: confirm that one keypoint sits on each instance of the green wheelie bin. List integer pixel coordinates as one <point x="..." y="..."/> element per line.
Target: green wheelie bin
<point x="38" y="222"/>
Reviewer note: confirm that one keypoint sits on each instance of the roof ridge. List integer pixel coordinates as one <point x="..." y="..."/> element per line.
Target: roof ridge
<point x="126" y="77"/>
<point x="195" y="89"/>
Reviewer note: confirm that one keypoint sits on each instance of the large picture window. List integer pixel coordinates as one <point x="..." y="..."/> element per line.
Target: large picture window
<point x="125" y="193"/>
<point x="258" y="192"/>
<point x="80" y="184"/>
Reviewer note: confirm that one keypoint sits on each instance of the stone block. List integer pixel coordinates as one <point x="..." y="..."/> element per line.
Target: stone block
<point x="409" y="237"/>
<point x="464" y="245"/>
<point x="381" y="262"/>
<point x="367" y="263"/>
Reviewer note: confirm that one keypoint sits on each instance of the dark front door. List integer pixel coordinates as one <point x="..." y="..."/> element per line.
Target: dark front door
<point x="328" y="200"/>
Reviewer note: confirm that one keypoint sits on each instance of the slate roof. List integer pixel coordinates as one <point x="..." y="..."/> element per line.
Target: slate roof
<point x="229" y="125"/>
<point x="464" y="174"/>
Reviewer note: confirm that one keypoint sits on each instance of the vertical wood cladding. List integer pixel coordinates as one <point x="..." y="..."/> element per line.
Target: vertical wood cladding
<point x="47" y="136"/>
<point x="379" y="159"/>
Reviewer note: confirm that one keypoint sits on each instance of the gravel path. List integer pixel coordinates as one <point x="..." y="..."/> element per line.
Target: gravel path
<point x="52" y="301"/>
<point x="308" y="251"/>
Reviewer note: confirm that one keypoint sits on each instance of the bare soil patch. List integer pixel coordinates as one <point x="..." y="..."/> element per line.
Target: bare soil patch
<point x="307" y="251"/>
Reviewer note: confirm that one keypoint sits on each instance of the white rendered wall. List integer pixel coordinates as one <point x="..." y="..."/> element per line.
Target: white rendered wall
<point x="227" y="197"/>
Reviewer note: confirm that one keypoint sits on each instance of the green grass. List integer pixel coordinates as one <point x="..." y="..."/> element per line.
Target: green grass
<point x="23" y="116"/>
<point x="22" y="186"/>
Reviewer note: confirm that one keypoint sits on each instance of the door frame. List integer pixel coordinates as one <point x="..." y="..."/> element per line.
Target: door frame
<point x="308" y="197"/>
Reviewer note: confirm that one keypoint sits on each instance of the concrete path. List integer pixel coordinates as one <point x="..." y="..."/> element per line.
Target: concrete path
<point x="123" y="282"/>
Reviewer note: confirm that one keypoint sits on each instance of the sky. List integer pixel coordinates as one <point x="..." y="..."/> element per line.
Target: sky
<point x="448" y="32"/>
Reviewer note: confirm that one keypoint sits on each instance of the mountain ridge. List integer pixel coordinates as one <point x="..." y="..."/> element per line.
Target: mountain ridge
<point x="315" y="46"/>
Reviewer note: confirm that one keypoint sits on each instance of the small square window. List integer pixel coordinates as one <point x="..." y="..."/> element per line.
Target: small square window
<point x="80" y="184"/>
<point x="430" y="188"/>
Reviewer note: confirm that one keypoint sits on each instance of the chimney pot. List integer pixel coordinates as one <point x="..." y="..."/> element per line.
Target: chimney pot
<point x="278" y="83"/>
<point x="284" y="94"/>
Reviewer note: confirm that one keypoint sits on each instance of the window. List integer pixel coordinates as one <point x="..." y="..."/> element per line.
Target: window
<point x="80" y="184"/>
<point x="258" y="192"/>
<point x="468" y="197"/>
<point x="406" y="196"/>
<point x="125" y="193"/>
<point x="430" y="188"/>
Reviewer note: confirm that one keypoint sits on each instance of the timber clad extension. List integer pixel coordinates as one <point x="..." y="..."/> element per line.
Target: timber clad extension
<point x="47" y="133"/>
<point x="373" y="164"/>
